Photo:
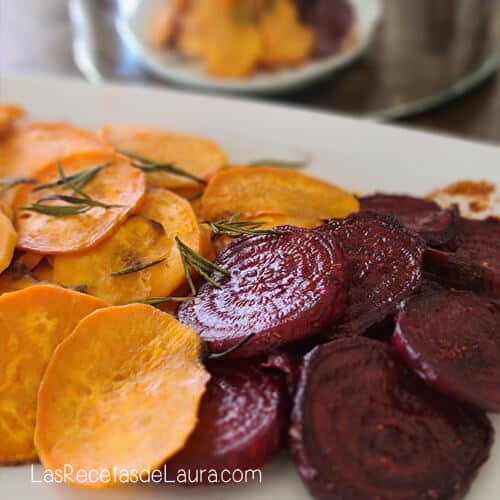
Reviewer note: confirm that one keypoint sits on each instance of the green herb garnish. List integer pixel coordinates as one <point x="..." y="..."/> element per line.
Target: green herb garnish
<point x="78" y="180"/>
<point x="137" y="267"/>
<point x="7" y="183"/>
<point x="234" y="227"/>
<point x="56" y="210"/>
<point x="149" y="166"/>
<point x="223" y="354"/>
<point x="198" y="263"/>
<point x="272" y="162"/>
<point x="154" y="301"/>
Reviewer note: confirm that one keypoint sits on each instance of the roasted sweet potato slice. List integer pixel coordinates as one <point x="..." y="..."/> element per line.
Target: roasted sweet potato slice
<point x="270" y="190"/>
<point x="285" y="39"/>
<point x="144" y="238"/>
<point x="8" y="240"/>
<point x="365" y="427"/>
<point x="165" y="22"/>
<point x="197" y="155"/>
<point x="451" y="339"/>
<point x="30" y="147"/>
<point x="9" y="114"/>
<point x="122" y="391"/>
<point x="438" y="226"/>
<point x="14" y="279"/>
<point x="280" y="288"/>
<point x="28" y="260"/>
<point x="386" y="267"/>
<point x="234" y="431"/>
<point x="34" y="321"/>
<point x="476" y="263"/>
<point x="118" y="185"/>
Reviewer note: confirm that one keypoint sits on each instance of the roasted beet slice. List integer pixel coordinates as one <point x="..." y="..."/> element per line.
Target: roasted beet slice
<point x="452" y="340"/>
<point x="281" y="288"/>
<point x="287" y="364"/>
<point x="476" y="263"/>
<point x="438" y="226"/>
<point x="386" y="267"/>
<point x="242" y="423"/>
<point x="364" y="426"/>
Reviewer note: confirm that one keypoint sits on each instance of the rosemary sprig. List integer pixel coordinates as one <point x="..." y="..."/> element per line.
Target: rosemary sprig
<point x="154" y="301"/>
<point x="7" y="183"/>
<point x="56" y="210"/>
<point x="78" y="180"/>
<point x="204" y="267"/>
<point x="234" y="227"/>
<point x="84" y="200"/>
<point x="149" y="166"/>
<point x="272" y="162"/>
<point x="137" y="267"/>
<point x="227" y="352"/>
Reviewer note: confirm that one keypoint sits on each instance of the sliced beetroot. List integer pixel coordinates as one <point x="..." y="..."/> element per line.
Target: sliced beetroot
<point x="452" y="340"/>
<point x="287" y="363"/>
<point x="438" y="226"/>
<point x="364" y="426"/>
<point x="242" y="423"/>
<point x="476" y="263"/>
<point x="386" y="267"/>
<point x="281" y="288"/>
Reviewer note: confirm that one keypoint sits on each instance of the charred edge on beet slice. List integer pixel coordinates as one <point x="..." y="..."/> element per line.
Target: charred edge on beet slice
<point x="438" y="226"/>
<point x="364" y="426"/>
<point x="243" y="420"/>
<point x="476" y="263"/>
<point x="452" y="340"/>
<point x="282" y="288"/>
<point x="385" y="262"/>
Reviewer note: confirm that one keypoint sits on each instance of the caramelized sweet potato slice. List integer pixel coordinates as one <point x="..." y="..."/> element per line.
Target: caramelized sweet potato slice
<point x="123" y="391"/>
<point x="281" y="288"/>
<point x="28" y="260"/>
<point x="197" y="155"/>
<point x="269" y="190"/>
<point x="12" y="280"/>
<point x="452" y="340"/>
<point x="286" y="40"/>
<point x="365" y="427"/>
<point x="30" y="147"/>
<point x="165" y="22"/>
<point x="8" y="240"/>
<point x="118" y="185"/>
<point x="144" y="238"/>
<point x="9" y="114"/>
<point x="34" y="321"/>
<point x="242" y="421"/>
<point x="386" y="267"/>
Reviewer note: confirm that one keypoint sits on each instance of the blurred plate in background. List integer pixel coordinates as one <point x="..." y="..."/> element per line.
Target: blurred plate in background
<point x="171" y="66"/>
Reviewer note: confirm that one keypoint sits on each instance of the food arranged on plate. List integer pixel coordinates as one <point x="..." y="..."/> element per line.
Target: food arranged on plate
<point x="165" y="310"/>
<point x="236" y="38"/>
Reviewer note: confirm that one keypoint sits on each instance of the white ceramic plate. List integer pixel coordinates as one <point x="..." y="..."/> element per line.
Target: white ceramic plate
<point x="171" y="66"/>
<point x="358" y="155"/>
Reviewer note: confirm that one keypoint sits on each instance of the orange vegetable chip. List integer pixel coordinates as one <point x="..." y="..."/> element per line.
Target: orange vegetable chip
<point x="8" y="239"/>
<point x="34" y="321"/>
<point x="121" y="391"/>
<point x="9" y="114"/>
<point x="147" y="237"/>
<point x="253" y="191"/>
<point x="196" y="155"/>
<point x="118" y="185"/>
<point x="29" y="147"/>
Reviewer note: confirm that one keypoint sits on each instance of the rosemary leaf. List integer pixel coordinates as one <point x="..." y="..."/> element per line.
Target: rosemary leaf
<point x="74" y="200"/>
<point x="56" y="210"/>
<point x="149" y="166"/>
<point x="154" y="301"/>
<point x="234" y="227"/>
<point x="78" y="180"/>
<point x="7" y="183"/>
<point x="227" y="352"/>
<point x="137" y="267"/>
<point x="272" y="162"/>
<point x="198" y="263"/>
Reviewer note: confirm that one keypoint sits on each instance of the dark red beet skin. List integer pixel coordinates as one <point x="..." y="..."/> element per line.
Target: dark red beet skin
<point x="476" y="263"/>
<point x="386" y="267"/>
<point x="281" y="288"/>
<point x="242" y="423"/>
<point x="438" y="226"/>
<point x="452" y="340"/>
<point x="365" y="427"/>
